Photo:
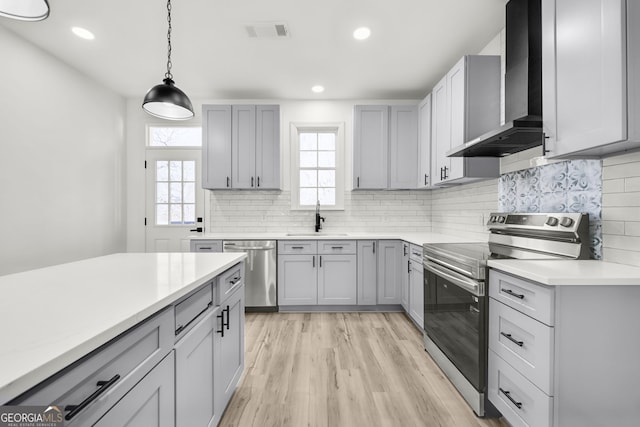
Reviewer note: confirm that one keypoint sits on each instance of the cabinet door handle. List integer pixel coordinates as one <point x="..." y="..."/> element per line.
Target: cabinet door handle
<point x="513" y="294"/>
<point x="227" y="182"/>
<point x="314" y="262"/>
<point x="404" y="250"/>
<point x="221" y="317"/>
<point x="408" y="266"/>
<point x="252" y="181"/>
<point x="508" y="394"/>
<point x="374" y="247"/>
<point x="258" y="181"/>
<point x="513" y="340"/>
<point x="445" y="172"/>
<point x="358" y="179"/>
<point x="320" y="261"/>
<point x="104" y="385"/>
<point x="228" y="319"/>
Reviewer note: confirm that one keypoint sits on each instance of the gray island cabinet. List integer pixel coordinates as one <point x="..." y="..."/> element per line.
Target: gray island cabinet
<point x="178" y="363"/>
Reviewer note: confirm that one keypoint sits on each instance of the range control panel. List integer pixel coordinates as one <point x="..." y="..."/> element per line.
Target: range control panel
<point x="558" y="221"/>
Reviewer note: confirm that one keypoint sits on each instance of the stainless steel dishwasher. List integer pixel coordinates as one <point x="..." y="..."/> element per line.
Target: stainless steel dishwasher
<point x="260" y="289"/>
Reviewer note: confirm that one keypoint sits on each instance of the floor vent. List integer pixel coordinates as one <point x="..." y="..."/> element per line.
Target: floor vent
<point x="267" y="30"/>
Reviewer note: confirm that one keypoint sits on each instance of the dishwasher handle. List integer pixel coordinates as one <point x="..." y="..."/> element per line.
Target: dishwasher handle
<point x="248" y="248"/>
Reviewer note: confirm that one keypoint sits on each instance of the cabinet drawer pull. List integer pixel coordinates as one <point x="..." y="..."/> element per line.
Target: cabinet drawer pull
<point x="180" y="328"/>
<point x="513" y="294"/>
<point x="234" y="280"/>
<point x="75" y="409"/>
<point x="204" y="248"/>
<point x="337" y="247"/>
<point x="513" y="340"/>
<point x="508" y="394"/>
<point x="297" y="247"/>
<point x="221" y="317"/>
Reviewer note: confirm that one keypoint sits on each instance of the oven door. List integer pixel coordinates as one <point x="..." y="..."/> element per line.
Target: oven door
<point x="455" y="320"/>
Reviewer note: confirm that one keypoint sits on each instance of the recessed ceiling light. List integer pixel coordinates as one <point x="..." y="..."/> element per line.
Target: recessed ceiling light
<point x="83" y="33"/>
<point x="362" y="33"/>
<point x="317" y="89"/>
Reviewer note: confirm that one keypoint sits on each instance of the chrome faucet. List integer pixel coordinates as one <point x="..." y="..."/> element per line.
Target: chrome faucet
<point x="318" y="217"/>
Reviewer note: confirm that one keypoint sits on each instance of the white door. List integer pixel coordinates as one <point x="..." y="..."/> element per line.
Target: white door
<point x="174" y="198"/>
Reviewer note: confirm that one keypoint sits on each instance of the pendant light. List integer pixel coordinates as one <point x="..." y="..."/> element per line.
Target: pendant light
<point x="166" y="100"/>
<point x="25" y="10"/>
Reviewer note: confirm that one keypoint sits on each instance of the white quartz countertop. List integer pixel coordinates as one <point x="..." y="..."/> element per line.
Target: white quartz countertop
<point x="53" y="316"/>
<point x="570" y="272"/>
<point x="416" y="238"/>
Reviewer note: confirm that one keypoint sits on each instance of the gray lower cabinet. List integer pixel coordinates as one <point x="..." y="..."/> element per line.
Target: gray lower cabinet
<point x="389" y="271"/>
<point x="367" y="273"/>
<point x="416" y="292"/>
<point x="149" y="404"/>
<point x="230" y="354"/>
<point x="336" y="279"/>
<point x="404" y="290"/>
<point x="195" y="374"/>
<point x="297" y="280"/>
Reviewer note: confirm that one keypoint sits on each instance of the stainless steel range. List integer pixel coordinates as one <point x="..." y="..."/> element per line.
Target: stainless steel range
<point x="455" y="298"/>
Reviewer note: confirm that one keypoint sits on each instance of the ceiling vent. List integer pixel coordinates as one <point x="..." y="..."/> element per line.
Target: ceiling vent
<point x="267" y="30"/>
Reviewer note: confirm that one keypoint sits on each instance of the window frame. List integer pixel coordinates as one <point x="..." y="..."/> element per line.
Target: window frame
<point x="171" y="147"/>
<point x="295" y="130"/>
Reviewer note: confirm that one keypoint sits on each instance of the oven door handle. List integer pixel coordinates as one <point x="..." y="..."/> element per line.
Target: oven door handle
<point x="470" y="285"/>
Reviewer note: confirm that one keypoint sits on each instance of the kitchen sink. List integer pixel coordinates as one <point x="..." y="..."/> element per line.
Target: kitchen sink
<point x="316" y="235"/>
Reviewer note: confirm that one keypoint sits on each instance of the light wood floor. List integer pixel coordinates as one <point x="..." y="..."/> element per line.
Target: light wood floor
<point x="342" y="369"/>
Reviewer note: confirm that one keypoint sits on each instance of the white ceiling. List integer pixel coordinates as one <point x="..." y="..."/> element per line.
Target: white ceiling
<point x="413" y="43"/>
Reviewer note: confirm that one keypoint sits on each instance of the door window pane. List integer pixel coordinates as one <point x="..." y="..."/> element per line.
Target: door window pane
<point x="175" y="136"/>
<point x="175" y="192"/>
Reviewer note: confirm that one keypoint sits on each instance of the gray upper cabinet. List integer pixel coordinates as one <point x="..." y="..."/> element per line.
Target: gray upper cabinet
<point x="590" y="76"/>
<point x="385" y="147"/>
<point x="241" y="147"/>
<point x="404" y="161"/>
<point x="216" y="146"/>
<point x="370" y="147"/>
<point x="424" y="142"/>
<point x="465" y="105"/>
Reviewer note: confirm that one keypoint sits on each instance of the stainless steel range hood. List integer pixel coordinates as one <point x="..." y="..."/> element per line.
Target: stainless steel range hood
<point x="523" y="88"/>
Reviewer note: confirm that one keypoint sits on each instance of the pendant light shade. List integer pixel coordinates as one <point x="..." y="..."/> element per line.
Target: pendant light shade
<point x="166" y="100"/>
<point x="25" y="10"/>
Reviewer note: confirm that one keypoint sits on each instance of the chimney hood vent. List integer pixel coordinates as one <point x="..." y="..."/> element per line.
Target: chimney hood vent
<point x="523" y="87"/>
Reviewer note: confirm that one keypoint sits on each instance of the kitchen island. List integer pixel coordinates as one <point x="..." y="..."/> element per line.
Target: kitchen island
<point x="55" y="317"/>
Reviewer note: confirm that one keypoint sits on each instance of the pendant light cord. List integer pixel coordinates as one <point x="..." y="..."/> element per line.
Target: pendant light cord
<point x="168" y="74"/>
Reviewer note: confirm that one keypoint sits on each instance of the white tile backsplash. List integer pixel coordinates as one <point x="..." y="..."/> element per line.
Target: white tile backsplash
<point x="460" y="210"/>
<point x="270" y="211"/>
<point x="621" y="209"/>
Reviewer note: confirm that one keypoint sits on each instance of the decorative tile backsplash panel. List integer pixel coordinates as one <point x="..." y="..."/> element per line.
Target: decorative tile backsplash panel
<point x="570" y="186"/>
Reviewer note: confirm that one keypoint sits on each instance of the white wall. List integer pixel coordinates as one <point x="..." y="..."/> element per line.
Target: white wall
<point x="62" y="161"/>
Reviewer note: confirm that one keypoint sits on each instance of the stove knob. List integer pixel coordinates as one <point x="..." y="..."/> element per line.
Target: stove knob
<point x="565" y="221"/>
<point x="492" y="219"/>
<point x="500" y="219"/>
<point x="552" y="221"/>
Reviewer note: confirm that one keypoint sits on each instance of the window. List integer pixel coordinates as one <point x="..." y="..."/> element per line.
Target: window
<point x="174" y="136"/>
<point x="175" y="192"/>
<point x="318" y="170"/>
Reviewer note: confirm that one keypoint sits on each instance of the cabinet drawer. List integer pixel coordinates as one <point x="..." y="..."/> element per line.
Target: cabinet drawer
<point x="192" y="306"/>
<point x="530" y="298"/>
<point x="291" y="247"/>
<point x="327" y="247"/>
<point x="206" y="245"/>
<point x="121" y="364"/>
<point x="228" y="282"/>
<point x="523" y="342"/>
<point x="415" y="253"/>
<point x="519" y="401"/>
